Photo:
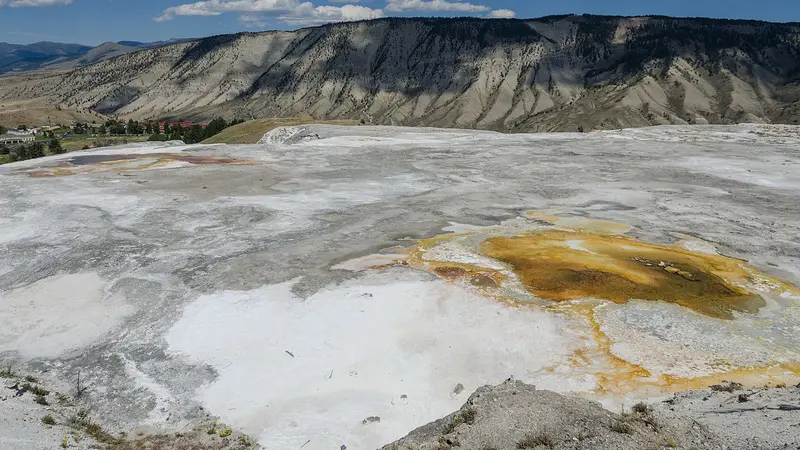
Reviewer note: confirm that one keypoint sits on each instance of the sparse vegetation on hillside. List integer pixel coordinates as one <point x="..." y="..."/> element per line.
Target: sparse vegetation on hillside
<point x="553" y="73"/>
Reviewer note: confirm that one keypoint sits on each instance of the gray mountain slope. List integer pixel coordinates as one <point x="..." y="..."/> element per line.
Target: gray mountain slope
<point x="553" y="73"/>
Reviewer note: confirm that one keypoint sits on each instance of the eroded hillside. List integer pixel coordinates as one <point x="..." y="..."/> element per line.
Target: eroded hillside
<point x="554" y="73"/>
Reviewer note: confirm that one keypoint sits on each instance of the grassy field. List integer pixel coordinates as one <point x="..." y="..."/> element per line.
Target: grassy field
<point x="253" y="130"/>
<point x="35" y="112"/>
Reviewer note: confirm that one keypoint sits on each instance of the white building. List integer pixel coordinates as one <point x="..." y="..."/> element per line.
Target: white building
<point x="16" y="137"/>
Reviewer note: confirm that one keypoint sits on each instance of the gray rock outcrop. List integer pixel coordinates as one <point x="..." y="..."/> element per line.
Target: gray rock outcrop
<point x="515" y="415"/>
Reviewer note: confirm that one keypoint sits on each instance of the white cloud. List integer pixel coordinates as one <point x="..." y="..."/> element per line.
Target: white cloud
<point x="314" y="15"/>
<point x="502" y="14"/>
<point x="255" y="12"/>
<point x="327" y="14"/>
<point x="253" y="21"/>
<point x="217" y="7"/>
<point x="24" y="3"/>
<point x="433" y="5"/>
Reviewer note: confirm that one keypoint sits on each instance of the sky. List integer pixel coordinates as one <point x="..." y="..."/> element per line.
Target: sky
<point x="91" y="22"/>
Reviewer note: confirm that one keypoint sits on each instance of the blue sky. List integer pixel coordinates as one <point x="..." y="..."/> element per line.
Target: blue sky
<point x="92" y="22"/>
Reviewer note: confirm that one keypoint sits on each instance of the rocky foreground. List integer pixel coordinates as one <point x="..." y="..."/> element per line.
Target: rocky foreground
<point x="512" y="415"/>
<point x="515" y="415"/>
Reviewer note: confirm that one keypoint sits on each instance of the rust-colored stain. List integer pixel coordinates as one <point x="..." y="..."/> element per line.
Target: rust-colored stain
<point x="616" y="376"/>
<point x="469" y="275"/>
<point x="128" y="162"/>
<point x="560" y="265"/>
<point x="580" y="264"/>
<point x="580" y="223"/>
<point x="84" y="160"/>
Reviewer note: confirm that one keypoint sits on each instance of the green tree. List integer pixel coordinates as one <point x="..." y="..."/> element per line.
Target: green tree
<point x="36" y="150"/>
<point x="102" y="130"/>
<point x="194" y="134"/>
<point x="55" y="147"/>
<point x="134" y="127"/>
<point x="20" y="153"/>
<point x="215" y="126"/>
<point x="3" y="130"/>
<point x="166" y="128"/>
<point x="22" y="127"/>
<point x="4" y="150"/>
<point x="176" y="132"/>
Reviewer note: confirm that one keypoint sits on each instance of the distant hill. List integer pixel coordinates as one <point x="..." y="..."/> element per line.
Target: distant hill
<point x="553" y="73"/>
<point x="132" y="43"/>
<point x="34" y="56"/>
<point x="51" y="55"/>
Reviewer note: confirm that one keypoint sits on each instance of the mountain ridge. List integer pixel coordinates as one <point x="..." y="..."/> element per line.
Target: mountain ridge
<point x="547" y="74"/>
<point x="16" y="58"/>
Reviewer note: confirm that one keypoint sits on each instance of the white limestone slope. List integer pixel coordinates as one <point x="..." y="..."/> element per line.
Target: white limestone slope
<point x="244" y="289"/>
<point x="389" y="345"/>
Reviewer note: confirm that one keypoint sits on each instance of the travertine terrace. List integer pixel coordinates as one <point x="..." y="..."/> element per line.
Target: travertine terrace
<point x="297" y="287"/>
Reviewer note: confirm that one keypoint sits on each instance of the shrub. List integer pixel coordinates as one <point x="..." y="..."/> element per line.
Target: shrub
<point x="622" y="427"/>
<point x="468" y="415"/>
<point x="35" y="390"/>
<point x="536" y="440"/>
<point x="641" y="408"/>
<point x="727" y="387"/>
<point x="48" y="420"/>
<point x="81" y="421"/>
